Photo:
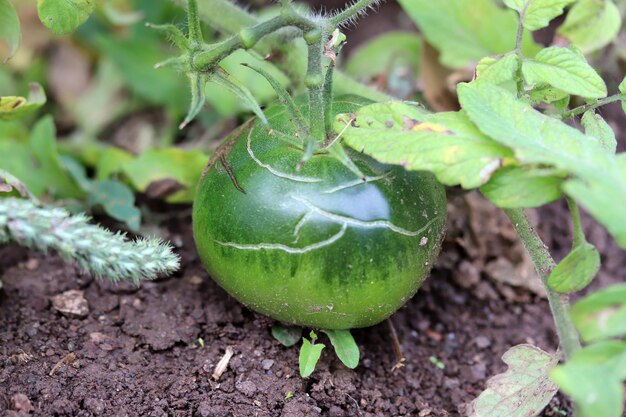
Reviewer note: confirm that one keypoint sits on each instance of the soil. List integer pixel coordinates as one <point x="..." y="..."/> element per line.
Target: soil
<point x="152" y="350"/>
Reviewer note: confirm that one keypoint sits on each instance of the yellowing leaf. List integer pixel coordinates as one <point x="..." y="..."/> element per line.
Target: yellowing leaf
<point x="447" y="144"/>
<point x="13" y="107"/>
<point x="523" y="390"/>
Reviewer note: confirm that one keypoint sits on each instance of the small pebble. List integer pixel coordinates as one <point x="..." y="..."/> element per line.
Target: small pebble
<point x="482" y="342"/>
<point x="71" y="303"/>
<point x="267" y="364"/>
<point x="20" y="402"/>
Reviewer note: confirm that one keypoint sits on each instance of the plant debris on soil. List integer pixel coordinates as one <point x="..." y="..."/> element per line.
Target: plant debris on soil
<point x="71" y="345"/>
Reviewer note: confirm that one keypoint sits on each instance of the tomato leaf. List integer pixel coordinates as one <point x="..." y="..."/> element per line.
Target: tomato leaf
<point x="523" y="187"/>
<point x="596" y="126"/>
<point x="599" y="182"/>
<point x="498" y="70"/>
<point x="287" y="335"/>
<point x="523" y="390"/>
<point x="466" y="31"/>
<point x="171" y="163"/>
<point x="345" y="347"/>
<point x="13" y="107"/>
<point x="537" y="14"/>
<point x="576" y="270"/>
<point x="566" y="70"/>
<point x="63" y="16"/>
<point x="601" y="315"/>
<point x="309" y="355"/>
<point x="591" y="24"/>
<point x="593" y="378"/>
<point x="43" y="146"/>
<point x="117" y="200"/>
<point x="9" y="27"/>
<point x="447" y="144"/>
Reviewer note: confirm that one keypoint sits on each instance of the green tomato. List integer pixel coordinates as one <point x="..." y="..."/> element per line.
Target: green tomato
<point x="318" y="247"/>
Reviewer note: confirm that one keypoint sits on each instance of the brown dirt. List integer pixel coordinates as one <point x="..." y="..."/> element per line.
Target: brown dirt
<point x="137" y="351"/>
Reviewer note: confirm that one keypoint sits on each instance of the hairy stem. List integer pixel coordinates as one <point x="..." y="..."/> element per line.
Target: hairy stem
<point x="230" y="19"/>
<point x="584" y="108"/>
<point x="351" y="12"/>
<point x="544" y="264"/>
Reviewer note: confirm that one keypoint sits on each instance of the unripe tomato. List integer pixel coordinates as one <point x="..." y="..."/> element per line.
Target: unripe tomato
<point x="318" y="247"/>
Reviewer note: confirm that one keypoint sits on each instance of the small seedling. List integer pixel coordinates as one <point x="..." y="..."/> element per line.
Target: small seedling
<point x="437" y="362"/>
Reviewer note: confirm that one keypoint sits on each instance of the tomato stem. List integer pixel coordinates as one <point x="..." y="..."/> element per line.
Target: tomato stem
<point x="544" y="264"/>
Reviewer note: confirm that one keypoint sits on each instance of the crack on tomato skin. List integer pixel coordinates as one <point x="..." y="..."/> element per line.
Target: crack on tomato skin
<point x="231" y="174"/>
<point x="285" y="248"/>
<point x="374" y="224"/>
<point x="274" y="171"/>
<point x="226" y="146"/>
<point x="355" y="183"/>
<point x="300" y="224"/>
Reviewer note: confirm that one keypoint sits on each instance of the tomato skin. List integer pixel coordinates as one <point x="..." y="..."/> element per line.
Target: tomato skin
<point x="315" y="247"/>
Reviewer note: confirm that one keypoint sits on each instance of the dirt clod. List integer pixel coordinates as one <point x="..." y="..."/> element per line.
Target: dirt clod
<point x="71" y="303"/>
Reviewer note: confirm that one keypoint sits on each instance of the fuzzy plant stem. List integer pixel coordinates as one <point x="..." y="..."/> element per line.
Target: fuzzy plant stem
<point x="104" y="254"/>
<point x="544" y="264"/>
<point x="230" y="19"/>
<point x="584" y="108"/>
<point x="352" y="12"/>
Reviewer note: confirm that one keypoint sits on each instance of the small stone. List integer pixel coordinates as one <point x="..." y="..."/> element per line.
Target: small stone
<point x="20" y="402"/>
<point x="482" y="342"/>
<point x="267" y="364"/>
<point x="247" y="388"/>
<point x="195" y="280"/>
<point x="71" y="303"/>
<point x="31" y="264"/>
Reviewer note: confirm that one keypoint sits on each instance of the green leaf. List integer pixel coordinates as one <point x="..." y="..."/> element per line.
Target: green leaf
<point x="63" y="16"/>
<point x="377" y="56"/>
<point x="9" y="27"/>
<point x="498" y="70"/>
<point x="183" y="166"/>
<point x="466" y="31"/>
<point x="591" y="24"/>
<point x="538" y="13"/>
<point x="309" y="355"/>
<point x="593" y="378"/>
<point x="576" y="270"/>
<point x="112" y="161"/>
<point x="58" y="180"/>
<point x="599" y="182"/>
<point x="543" y="93"/>
<point x="287" y="335"/>
<point x="601" y="315"/>
<point x="523" y="390"/>
<point x="117" y="200"/>
<point x="447" y="144"/>
<point x="566" y="70"/>
<point x="345" y="347"/>
<point x="523" y="187"/>
<point x="13" y="107"/>
<point x="596" y="126"/>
